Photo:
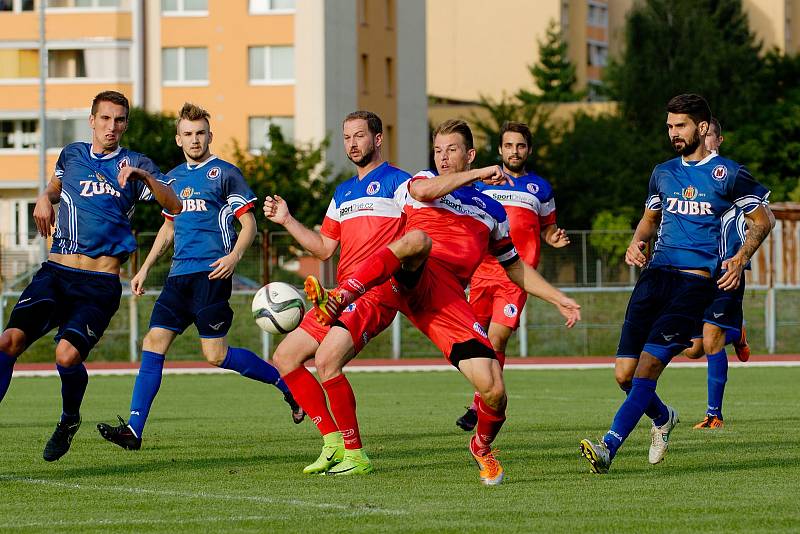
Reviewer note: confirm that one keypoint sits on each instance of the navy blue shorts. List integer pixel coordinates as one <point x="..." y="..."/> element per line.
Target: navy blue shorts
<point x="193" y="298"/>
<point x="664" y="312"/>
<point x="80" y="303"/>
<point x="726" y="310"/>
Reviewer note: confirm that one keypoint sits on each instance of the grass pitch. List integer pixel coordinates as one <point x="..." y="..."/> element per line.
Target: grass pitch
<point x="221" y="455"/>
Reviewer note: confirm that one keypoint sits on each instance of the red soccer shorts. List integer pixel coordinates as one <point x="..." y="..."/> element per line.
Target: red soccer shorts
<point x="364" y="319"/>
<point x="497" y="301"/>
<point x="439" y="309"/>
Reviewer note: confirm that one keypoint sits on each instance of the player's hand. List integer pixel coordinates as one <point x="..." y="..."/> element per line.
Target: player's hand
<point x="494" y="175"/>
<point x="137" y="282"/>
<point x="558" y="239"/>
<point x="127" y="174"/>
<point x="732" y="276"/>
<point x="224" y="267"/>
<point x="276" y="209"/>
<point x="635" y="254"/>
<point x="569" y="309"/>
<point x="44" y="215"/>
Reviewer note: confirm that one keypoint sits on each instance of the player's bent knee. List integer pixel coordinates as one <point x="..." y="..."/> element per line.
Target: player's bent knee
<point x="12" y="342"/>
<point x="289" y="356"/>
<point x="67" y="355"/>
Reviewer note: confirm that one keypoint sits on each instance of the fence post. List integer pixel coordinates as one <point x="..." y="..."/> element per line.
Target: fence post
<point x="585" y="259"/>
<point x="133" y="335"/>
<point x="397" y="337"/>
<point x="769" y="304"/>
<point x="523" y="330"/>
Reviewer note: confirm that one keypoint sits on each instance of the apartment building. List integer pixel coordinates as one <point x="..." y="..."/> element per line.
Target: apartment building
<point x="298" y="64"/>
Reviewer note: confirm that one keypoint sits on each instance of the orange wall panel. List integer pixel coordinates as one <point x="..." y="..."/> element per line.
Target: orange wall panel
<point x="597" y="34"/>
<point x="66" y="26"/>
<point x="24" y="167"/>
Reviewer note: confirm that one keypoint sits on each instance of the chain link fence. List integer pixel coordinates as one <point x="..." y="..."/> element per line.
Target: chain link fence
<point x="588" y="269"/>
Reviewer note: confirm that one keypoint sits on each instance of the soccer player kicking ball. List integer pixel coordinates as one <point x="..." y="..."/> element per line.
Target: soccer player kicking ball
<point x="723" y="322"/>
<point x="198" y="287"/>
<point x="449" y="226"/>
<point x="687" y="198"/>
<point x="78" y="289"/>
<point x="364" y="215"/>
<point x="531" y="211"/>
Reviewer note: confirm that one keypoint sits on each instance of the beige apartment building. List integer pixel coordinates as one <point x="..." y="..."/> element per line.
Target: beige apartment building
<point x="299" y="64"/>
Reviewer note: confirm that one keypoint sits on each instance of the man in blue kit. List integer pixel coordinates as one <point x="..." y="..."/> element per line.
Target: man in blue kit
<point x="687" y="197"/>
<point x="78" y="290"/>
<point x="198" y="287"/>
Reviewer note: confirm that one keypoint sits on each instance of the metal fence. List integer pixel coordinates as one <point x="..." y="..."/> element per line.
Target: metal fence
<point x="588" y="272"/>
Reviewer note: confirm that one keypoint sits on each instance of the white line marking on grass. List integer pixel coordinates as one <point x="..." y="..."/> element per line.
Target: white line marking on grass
<point x="345" y="508"/>
<point x="407" y="368"/>
<point x="130" y="522"/>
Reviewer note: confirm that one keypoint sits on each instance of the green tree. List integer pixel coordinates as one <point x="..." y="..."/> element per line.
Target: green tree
<point x="611" y="234"/>
<point x="554" y="74"/>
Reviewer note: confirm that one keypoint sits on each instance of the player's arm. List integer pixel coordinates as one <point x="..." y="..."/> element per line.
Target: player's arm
<point x="554" y="236"/>
<point x="645" y="231"/>
<point x="43" y="213"/>
<point x="759" y="223"/>
<point x="533" y="283"/>
<point x="224" y="267"/>
<point x="162" y="242"/>
<point x="320" y="245"/>
<point x="163" y="194"/>
<point x="426" y="190"/>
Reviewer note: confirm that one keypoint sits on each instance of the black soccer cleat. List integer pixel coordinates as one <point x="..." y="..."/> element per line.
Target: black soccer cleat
<point x="58" y="444"/>
<point x="121" y="435"/>
<point x="467" y="421"/>
<point x="298" y="414"/>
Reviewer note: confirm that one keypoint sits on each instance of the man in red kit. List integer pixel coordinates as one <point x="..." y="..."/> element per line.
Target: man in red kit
<point x="365" y="214"/>
<point x="449" y="227"/>
<point x="531" y="211"/>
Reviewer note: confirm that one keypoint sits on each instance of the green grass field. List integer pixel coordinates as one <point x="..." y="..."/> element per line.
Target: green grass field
<point x="221" y="455"/>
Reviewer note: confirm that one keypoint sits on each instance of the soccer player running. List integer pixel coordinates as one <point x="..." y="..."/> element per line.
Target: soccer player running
<point x="723" y="322"/>
<point x="687" y="198"/>
<point x="364" y="215"/>
<point x="198" y="287"/>
<point x="531" y="211"/>
<point x="449" y="228"/>
<point x="77" y="289"/>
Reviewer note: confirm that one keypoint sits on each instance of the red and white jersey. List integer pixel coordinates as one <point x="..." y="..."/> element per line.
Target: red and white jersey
<point x="366" y="215"/>
<point x="464" y="226"/>
<point x="530" y="206"/>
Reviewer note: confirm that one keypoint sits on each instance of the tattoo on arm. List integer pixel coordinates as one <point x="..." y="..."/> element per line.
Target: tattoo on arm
<point x="755" y="236"/>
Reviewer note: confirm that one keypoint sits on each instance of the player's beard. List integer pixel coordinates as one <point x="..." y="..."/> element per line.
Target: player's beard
<point x="365" y="159"/>
<point x="688" y="147"/>
<point x="515" y="167"/>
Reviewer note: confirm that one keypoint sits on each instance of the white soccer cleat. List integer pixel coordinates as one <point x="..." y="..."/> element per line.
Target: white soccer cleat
<point x="659" y="437"/>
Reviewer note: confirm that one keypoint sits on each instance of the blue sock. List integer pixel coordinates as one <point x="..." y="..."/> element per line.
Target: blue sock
<point x="247" y="364"/>
<point x="717" y="376"/>
<point x="73" y="385"/>
<point x="629" y="413"/>
<point x="732" y="334"/>
<point x="6" y="368"/>
<point x="145" y="389"/>
<point x="656" y="410"/>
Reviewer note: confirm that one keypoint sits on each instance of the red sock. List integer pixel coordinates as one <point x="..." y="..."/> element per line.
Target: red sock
<point x="490" y="421"/>
<point x="310" y="396"/>
<point x="501" y="357"/>
<point x="476" y="398"/>
<point x="343" y="406"/>
<point x="372" y="272"/>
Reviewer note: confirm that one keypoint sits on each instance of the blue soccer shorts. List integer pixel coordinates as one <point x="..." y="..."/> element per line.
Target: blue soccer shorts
<point x="193" y="298"/>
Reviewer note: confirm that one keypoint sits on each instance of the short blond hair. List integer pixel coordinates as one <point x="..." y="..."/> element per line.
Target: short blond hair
<point x="191" y="112"/>
<point x="455" y="126"/>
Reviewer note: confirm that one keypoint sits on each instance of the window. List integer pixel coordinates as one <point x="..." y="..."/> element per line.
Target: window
<point x="271" y="64"/>
<point x="596" y="54"/>
<point x="19" y="63"/>
<point x="18" y="134"/>
<point x="364" y="74"/>
<point x="91" y="63"/>
<point x="389" y="76"/>
<point x="185" y="7"/>
<point x="260" y="7"/>
<point x="259" y="131"/>
<point x="16" y="5"/>
<point x="90" y="4"/>
<point x="363" y="15"/>
<point x="184" y="66"/>
<point x="597" y="15"/>
<point x="63" y="131"/>
<point x="389" y="14"/>
<point x="23" y="227"/>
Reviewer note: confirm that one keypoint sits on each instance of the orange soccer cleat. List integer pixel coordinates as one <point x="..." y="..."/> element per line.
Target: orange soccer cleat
<point x="491" y="472"/>
<point x="328" y="303"/>
<point x="711" y="421"/>
<point x="741" y="347"/>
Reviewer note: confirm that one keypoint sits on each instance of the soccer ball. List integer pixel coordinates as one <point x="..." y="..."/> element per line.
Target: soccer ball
<point x="278" y="308"/>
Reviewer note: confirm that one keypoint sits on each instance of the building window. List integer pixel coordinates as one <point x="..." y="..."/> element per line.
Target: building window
<point x="89" y="4"/>
<point x="596" y="54"/>
<point x="63" y="131"/>
<point x="16" y="5"/>
<point x="184" y="66"/>
<point x="364" y="74"/>
<point x="389" y="14"/>
<point x="597" y="15"/>
<point x="271" y="64"/>
<point x="184" y="7"/>
<point x="389" y="76"/>
<point x="91" y="63"/>
<point x="19" y="63"/>
<point x="363" y="14"/>
<point x="23" y="227"/>
<point x="18" y="134"/>
<point x="259" y="131"/>
<point x="261" y="7"/>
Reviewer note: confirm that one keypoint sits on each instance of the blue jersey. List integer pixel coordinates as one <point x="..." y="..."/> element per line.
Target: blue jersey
<point x="94" y="217"/>
<point x="692" y="198"/>
<point x="212" y="193"/>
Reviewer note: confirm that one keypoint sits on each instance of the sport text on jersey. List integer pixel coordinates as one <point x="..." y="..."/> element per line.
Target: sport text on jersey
<point x="355" y="207"/>
<point x="685" y="204"/>
<point x="465" y="209"/>
<point x="90" y="188"/>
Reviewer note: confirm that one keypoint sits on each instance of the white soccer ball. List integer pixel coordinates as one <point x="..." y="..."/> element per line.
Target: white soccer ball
<point x="278" y="308"/>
